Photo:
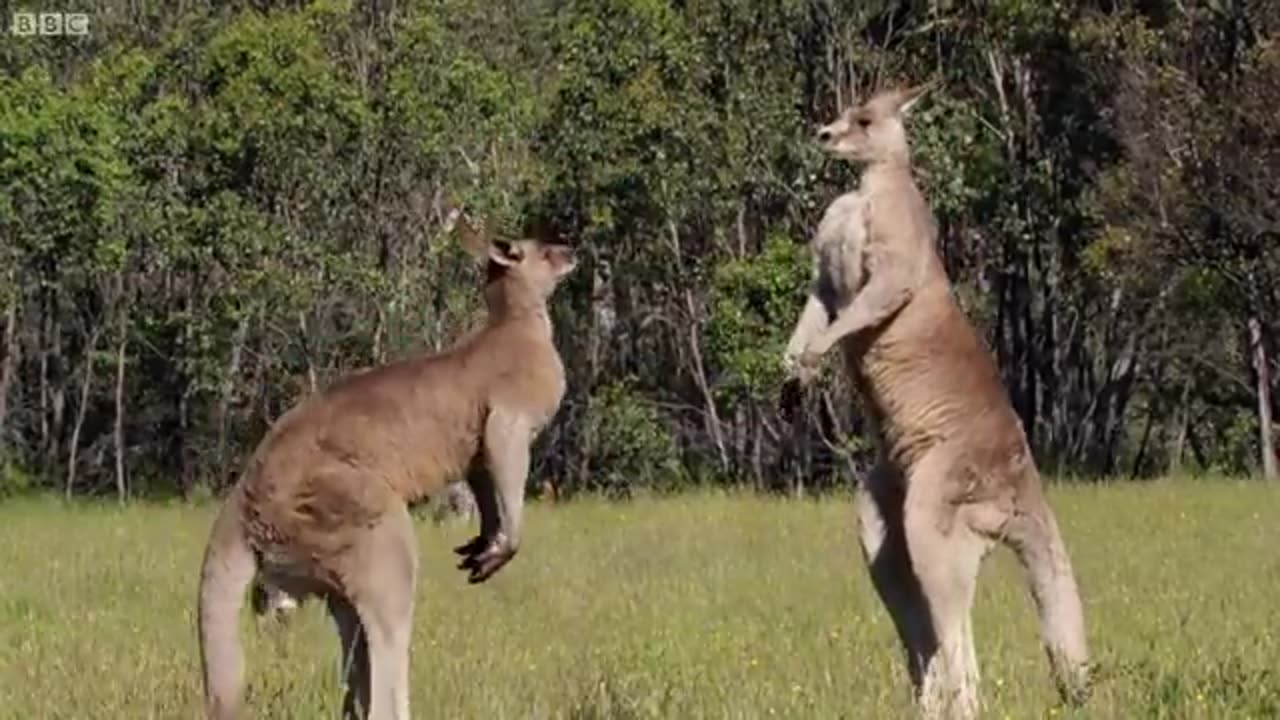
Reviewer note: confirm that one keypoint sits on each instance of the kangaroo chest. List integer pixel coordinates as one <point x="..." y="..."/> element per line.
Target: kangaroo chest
<point x="839" y="246"/>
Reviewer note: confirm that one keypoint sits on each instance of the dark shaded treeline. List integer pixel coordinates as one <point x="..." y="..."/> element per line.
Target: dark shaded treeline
<point x="208" y="209"/>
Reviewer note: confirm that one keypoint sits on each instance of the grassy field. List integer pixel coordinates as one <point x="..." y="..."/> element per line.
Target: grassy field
<point x="696" y="607"/>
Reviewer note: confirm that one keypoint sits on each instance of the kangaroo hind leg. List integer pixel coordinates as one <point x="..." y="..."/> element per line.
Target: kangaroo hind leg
<point x="1031" y="531"/>
<point x="878" y="500"/>
<point x="946" y="556"/>
<point x="380" y="589"/>
<point x="354" y="658"/>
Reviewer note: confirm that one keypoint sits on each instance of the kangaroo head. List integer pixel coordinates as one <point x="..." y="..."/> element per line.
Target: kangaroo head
<point x="872" y="132"/>
<point x="537" y="264"/>
<point x="528" y="266"/>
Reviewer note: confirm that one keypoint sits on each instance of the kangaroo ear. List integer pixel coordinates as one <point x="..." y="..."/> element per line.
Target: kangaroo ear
<point x="473" y="237"/>
<point x="505" y="252"/>
<point x="908" y="97"/>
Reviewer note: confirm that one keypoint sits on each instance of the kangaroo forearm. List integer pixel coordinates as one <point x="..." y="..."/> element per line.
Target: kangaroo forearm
<point x="870" y="309"/>
<point x="812" y="321"/>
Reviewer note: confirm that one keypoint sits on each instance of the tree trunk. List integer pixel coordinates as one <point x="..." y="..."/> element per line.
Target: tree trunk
<point x="185" y="383"/>
<point x="10" y="365"/>
<point x="1141" y="455"/>
<point x="304" y="337"/>
<point x="229" y="383"/>
<point x="1262" y="369"/>
<point x="1183" y="413"/>
<point x="122" y="489"/>
<point x="700" y="377"/>
<point x="1118" y="394"/>
<point x="122" y="351"/>
<point x="81" y="410"/>
<point x="379" y="331"/>
<point x="757" y="451"/>
<point x="45" y="432"/>
<point x="588" y="438"/>
<point x="58" y="388"/>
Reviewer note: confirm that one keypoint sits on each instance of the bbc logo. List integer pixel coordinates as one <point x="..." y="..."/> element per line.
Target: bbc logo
<point x="54" y="23"/>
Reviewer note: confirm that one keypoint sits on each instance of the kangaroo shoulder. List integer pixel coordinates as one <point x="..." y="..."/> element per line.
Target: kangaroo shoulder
<point x="843" y="215"/>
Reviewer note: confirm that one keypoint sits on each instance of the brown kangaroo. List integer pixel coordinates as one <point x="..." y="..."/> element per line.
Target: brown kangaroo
<point x="321" y="508"/>
<point x="955" y="474"/>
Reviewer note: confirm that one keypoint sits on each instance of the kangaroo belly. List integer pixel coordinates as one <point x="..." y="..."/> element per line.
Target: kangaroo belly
<point x="931" y="381"/>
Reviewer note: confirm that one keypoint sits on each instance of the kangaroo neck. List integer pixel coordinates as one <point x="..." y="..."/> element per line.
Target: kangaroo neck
<point x="510" y="301"/>
<point x="882" y="172"/>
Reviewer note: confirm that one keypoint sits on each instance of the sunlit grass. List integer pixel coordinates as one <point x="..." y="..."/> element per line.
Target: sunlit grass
<point x="706" y="606"/>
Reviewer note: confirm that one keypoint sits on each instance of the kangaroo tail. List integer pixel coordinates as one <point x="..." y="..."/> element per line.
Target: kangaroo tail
<point x="229" y="566"/>
<point x="1033" y="535"/>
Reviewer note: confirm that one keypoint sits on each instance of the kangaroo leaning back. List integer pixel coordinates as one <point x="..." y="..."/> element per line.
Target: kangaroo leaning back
<point x="954" y="472"/>
<point x="322" y="506"/>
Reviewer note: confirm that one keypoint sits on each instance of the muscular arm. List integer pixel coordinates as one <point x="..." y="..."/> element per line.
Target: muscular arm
<point x="812" y="321"/>
<point x="891" y="278"/>
<point x="507" y="436"/>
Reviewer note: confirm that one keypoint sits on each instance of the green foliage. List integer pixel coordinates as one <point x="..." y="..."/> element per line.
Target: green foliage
<point x="14" y="481"/>
<point x="633" y="446"/>
<point x="275" y="88"/>
<point x="62" y="172"/>
<point x="754" y="301"/>
<point x="455" y="109"/>
<point x="624" y="130"/>
<point x="958" y="156"/>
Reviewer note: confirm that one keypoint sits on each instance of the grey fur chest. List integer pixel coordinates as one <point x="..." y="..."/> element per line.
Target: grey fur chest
<point x="838" y="248"/>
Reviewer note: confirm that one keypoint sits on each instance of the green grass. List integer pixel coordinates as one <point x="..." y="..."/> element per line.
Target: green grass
<point x="694" y="607"/>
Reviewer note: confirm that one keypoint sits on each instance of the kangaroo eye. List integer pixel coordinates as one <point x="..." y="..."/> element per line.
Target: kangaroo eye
<point x="864" y="122"/>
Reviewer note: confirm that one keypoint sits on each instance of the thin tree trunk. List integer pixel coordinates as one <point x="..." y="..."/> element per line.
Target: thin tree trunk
<point x="741" y="224"/>
<point x="42" y="341"/>
<point x="122" y="351"/>
<point x="228" y="387"/>
<point x="81" y="410"/>
<point x="10" y="365"/>
<point x="122" y="490"/>
<point x="1262" y="368"/>
<point x="588" y="439"/>
<point x="305" y="339"/>
<point x="1117" y="402"/>
<point x="753" y="443"/>
<point x="1183" y="413"/>
<point x="1202" y="458"/>
<point x="379" y="330"/>
<point x="57" y="390"/>
<point x="185" y="389"/>
<point x="1141" y="455"/>
<point x="700" y="377"/>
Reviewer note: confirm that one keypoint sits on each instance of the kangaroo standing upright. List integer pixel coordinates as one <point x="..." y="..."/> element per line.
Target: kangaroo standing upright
<point x="322" y="508"/>
<point x="954" y="472"/>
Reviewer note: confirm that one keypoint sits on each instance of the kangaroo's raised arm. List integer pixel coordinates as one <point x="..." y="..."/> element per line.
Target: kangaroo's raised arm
<point x="814" y="319"/>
